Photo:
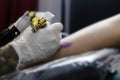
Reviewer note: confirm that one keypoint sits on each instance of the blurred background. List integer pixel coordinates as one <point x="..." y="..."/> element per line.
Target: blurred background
<point x="74" y="14"/>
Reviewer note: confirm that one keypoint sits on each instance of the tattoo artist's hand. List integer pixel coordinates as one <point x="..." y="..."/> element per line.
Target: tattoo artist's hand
<point x="32" y="47"/>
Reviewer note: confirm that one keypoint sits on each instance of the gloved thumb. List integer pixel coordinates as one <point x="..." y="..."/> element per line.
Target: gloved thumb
<point x="56" y="27"/>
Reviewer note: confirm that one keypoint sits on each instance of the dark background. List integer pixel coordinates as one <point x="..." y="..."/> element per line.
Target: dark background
<point x="82" y="12"/>
<point x="86" y="12"/>
<point x="11" y="10"/>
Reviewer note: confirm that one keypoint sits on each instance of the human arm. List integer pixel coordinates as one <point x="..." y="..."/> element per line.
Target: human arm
<point x="8" y="60"/>
<point x="103" y="34"/>
<point x="8" y="56"/>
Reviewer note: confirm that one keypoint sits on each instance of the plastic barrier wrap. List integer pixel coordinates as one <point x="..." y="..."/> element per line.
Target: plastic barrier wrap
<point x="80" y="67"/>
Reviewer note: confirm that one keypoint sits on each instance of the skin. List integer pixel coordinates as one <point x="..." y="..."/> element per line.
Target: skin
<point x="103" y="34"/>
<point x="8" y="60"/>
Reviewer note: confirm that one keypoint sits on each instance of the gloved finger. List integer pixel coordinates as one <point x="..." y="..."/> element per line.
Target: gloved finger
<point x="39" y="14"/>
<point x="56" y="27"/>
<point x="47" y="15"/>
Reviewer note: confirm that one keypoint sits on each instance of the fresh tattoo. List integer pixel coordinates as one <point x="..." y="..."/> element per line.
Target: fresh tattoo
<point x="65" y="44"/>
<point x="8" y="60"/>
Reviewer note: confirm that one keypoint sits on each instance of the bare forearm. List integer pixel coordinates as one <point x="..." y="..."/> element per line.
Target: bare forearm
<point x="8" y="60"/>
<point x="104" y="34"/>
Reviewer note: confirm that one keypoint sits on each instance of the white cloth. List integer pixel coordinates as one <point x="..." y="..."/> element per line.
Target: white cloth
<point x="32" y="47"/>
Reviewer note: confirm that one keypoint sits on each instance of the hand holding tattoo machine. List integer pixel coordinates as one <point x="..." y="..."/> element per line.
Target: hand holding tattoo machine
<point x="38" y="41"/>
<point x="35" y="19"/>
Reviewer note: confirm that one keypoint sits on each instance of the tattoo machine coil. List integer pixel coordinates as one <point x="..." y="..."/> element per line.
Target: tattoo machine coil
<point x="39" y="21"/>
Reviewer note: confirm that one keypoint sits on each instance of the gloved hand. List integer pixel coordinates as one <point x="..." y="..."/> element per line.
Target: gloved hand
<point x="32" y="47"/>
<point x="24" y="21"/>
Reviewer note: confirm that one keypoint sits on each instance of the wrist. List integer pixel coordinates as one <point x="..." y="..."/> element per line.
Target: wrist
<point x="9" y="50"/>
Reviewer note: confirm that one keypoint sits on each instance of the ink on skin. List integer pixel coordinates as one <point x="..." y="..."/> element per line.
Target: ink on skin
<point x="65" y="45"/>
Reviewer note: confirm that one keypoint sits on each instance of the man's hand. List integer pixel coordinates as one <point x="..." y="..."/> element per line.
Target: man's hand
<point x="32" y="47"/>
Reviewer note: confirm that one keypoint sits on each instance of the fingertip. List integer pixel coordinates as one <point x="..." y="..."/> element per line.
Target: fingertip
<point x="56" y="26"/>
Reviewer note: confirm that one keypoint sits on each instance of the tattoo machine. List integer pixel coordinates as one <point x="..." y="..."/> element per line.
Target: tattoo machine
<point x="40" y="21"/>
